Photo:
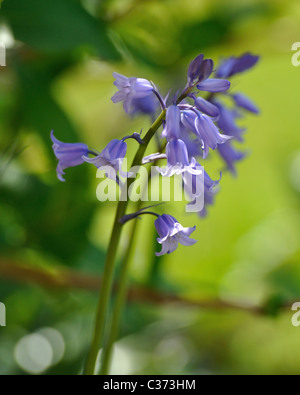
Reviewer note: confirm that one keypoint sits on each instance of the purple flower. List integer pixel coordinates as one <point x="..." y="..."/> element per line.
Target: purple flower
<point x="214" y="85"/>
<point x="194" y="69"/>
<point x="209" y="133"/>
<point x="206" y="69"/>
<point x="68" y="155"/>
<point x="193" y="145"/>
<point x="211" y="84"/>
<point x="110" y="158"/>
<point x="194" y="185"/>
<point x="171" y="233"/>
<point x="227" y="122"/>
<point x="131" y="90"/>
<point x="235" y="65"/>
<point x="172" y="125"/>
<point x="210" y="189"/>
<point x="188" y="118"/>
<point x="178" y="160"/>
<point x="199" y="70"/>
<point x="244" y="102"/>
<point x="145" y="105"/>
<point x="230" y="155"/>
<point x="207" y="107"/>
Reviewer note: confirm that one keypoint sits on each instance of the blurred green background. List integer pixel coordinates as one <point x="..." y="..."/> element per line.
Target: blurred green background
<point x="53" y="236"/>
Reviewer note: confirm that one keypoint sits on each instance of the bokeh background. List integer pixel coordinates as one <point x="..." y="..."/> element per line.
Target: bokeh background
<point x="228" y="310"/>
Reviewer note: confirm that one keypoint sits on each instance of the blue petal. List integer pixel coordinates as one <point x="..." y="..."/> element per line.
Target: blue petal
<point x="214" y="85"/>
<point x="172" y="129"/>
<point x="244" y="102"/>
<point x="209" y="133"/>
<point x="206" y="69"/>
<point x="207" y="107"/>
<point x="162" y="227"/>
<point x="194" y="68"/>
<point x="177" y="153"/>
<point x="245" y="62"/>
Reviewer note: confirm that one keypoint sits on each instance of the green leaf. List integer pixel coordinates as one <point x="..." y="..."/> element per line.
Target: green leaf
<point x="58" y="26"/>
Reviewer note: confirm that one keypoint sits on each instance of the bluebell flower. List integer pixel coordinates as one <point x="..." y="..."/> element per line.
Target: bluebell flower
<point x="110" y="158"/>
<point x="131" y="90"/>
<point x="171" y="232"/>
<point x="204" y="128"/>
<point x="193" y="143"/>
<point x="194" y="188"/>
<point x="214" y="85"/>
<point x="227" y="122"/>
<point x="235" y="65"/>
<point x="210" y="190"/>
<point x="68" y="155"/>
<point x="207" y="84"/>
<point x="199" y="70"/>
<point x="206" y="107"/>
<point x="188" y="118"/>
<point x="230" y="155"/>
<point x="173" y="123"/>
<point x="146" y="105"/>
<point x="178" y="160"/>
<point x="244" y="102"/>
<point x="209" y="133"/>
<point x="194" y="69"/>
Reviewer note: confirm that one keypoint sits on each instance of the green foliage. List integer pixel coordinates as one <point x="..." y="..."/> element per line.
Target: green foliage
<point x="58" y="26"/>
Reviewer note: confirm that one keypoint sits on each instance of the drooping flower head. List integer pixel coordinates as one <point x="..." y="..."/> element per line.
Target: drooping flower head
<point x="230" y="155"/>
<point x="227" y="121"/>
<point x="199" y="71"/>
<point x="172" y="125"/>
<point x="144" y="105"/>
<point x="195" y="69"/>
<point x="171" y="232"/>
<point x="68" y="155"/>
<point x="111" y="157"/>
<point x="206" y="107"/>
<point x="178" y="160"/>
<point x="245" y="103"/>
<point x="209" y="133"/>
<point x="131" y="90"/>
<point x="196" y="186"/>
<point x="210" y="190"/>
<point x="235" y="65"/>
<point x="213" y="85"/>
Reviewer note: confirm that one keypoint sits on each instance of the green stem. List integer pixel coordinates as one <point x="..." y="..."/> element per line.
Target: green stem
<point x="119" y="304"/>
<point x="121" y="294"/>
<point x="109" y="268"/>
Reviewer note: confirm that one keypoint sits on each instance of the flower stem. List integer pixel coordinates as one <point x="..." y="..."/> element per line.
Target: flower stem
<point x="105" y="291"/>
<point x="119" y="304"/>
<point x="121" y="293"/>
<point x="109" y="269"/>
